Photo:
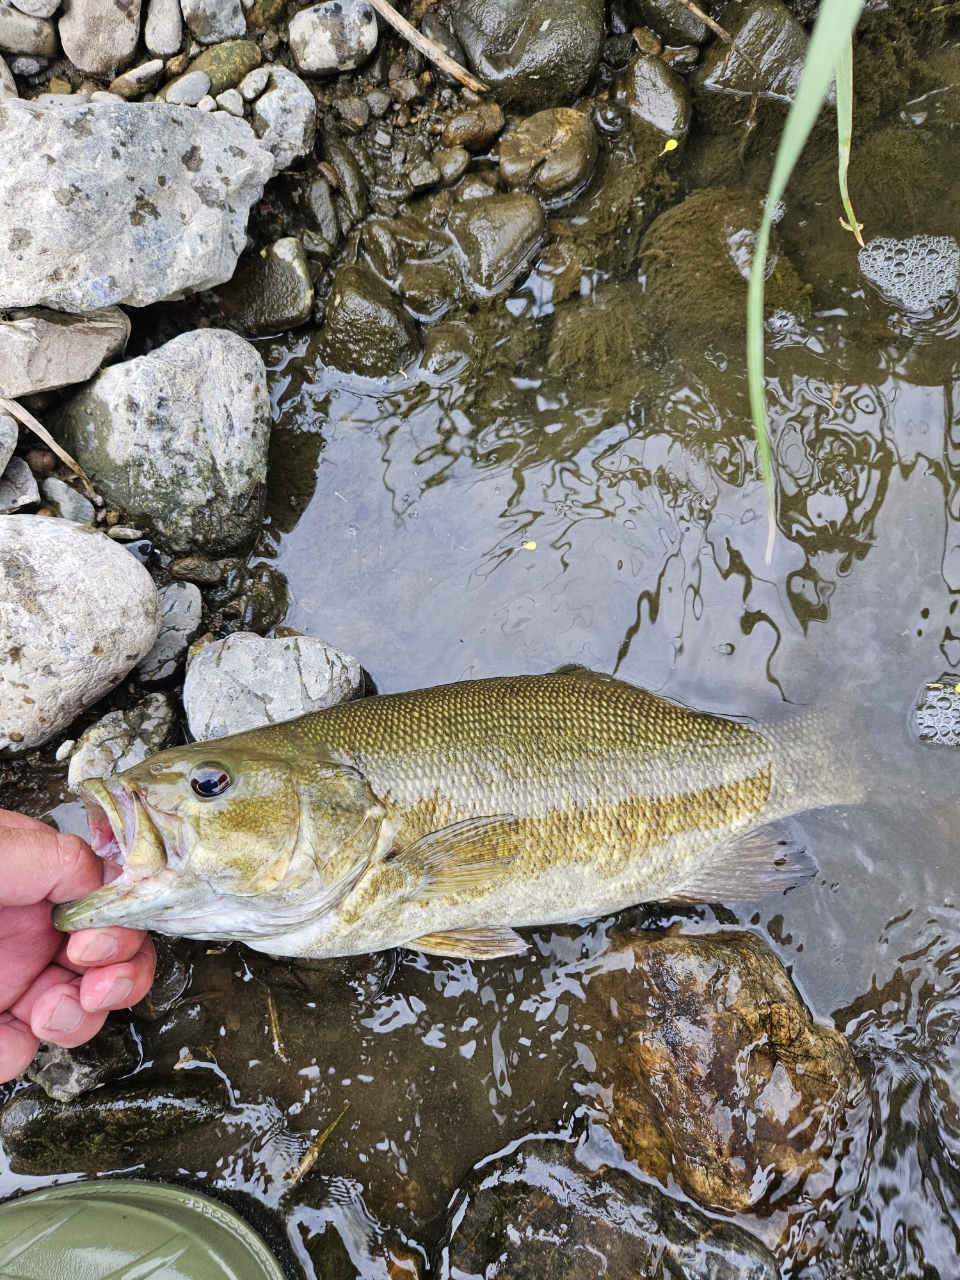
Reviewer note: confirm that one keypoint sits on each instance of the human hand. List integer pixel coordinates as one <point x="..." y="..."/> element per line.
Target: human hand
<point x="53" y="986"/>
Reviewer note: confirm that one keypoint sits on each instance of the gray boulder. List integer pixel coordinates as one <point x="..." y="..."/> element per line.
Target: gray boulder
<point x="181" y="607"/>
<point x="122" y="739"/>
<point x="21" y="33"/>
<point x="73" y="505"/>
<point x="285" y="117"/>
<point x="77" y="612"/>
<point x="42" y="349"/>
<point x="9" y="434"/>
<point x="245" y="681"/>
<point x="100" y="36"/>
<point x="18" y="488"/>
<point x="103" y="203"/>
<point x="163" y="29"/>
<point x="8" y="86"/>
<point x="178" y="439"/>
<point x="335" y="36"/>
<point x="211" y="21"/>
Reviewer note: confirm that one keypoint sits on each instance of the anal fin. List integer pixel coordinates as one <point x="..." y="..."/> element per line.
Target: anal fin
<point x="471" y="944"/>
<point x="749" y="868"/>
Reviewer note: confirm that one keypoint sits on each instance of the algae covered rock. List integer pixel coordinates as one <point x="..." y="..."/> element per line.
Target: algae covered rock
<point x="367" y="331"/>
<point x="777" y="44"/>
<point x="64" y="1074"/>
<point x="178" y="438"/>
<point x="496" y="237"/>
<point x="272" y="290"/>
<point x="537" y="1213"/>
<point x="653" y="92"/>
<point x="227" y="64"/>
<point x="551" y="153"/>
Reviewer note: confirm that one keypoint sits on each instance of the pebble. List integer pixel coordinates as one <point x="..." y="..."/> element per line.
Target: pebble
<point x="42" y="349"/>
<point x="174" y="186"/>
<point x="188" y="89"/>
<point x="178" y="438"/>
<point x="104" y="95"/>
<point x="73" y="505"/>
<point x="211" y="21"/>
<point x="138" y="80"/>
<point x="424" y="174"/>
<point x="19" y="33"/>
<point x="228" y="63"/>
<point x="245" y="681"/>
<point x="336" y="36"/>
<point x="37" y="8"/>
<point x="122" y="739"/>
<point x="9" y="435"/>
<point x="475" y="129"/>
<point x="8" y="86"/>
<point x="379" y="103"/>
<point x="163" y="30"/>
<point x="551" y="153"/>
<point x="230" y="101"/>
<point x="497" y="237"/>
<point x="181" y="607"/>
<point x="100" y="39"/>
<point x="367" y="331"/>
<point x="18" y="488"/>
<point x="284" y="117"/>
<point x="124" y="533"/>
<point x="655" y="93"/>
<point x="253" y="84"/>
<point x="272" y="290"/>
<point x="76" y="614"/>
<point x="207" y="103"/>
<point x="452" y="163"/>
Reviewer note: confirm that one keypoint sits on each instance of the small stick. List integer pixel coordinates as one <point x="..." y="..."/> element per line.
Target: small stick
<point x="427" y="47"/>
<point x="309" y="1158"/>
<point x="714" y="27"/>
<point x="17" y="411"/>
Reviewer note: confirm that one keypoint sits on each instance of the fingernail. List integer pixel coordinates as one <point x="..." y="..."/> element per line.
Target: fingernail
<point x="103" y="946"/>
<point x="66" y="1016"/>
<point x="116" y="995"/>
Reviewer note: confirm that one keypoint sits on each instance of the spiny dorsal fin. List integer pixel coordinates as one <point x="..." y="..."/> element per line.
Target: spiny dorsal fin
<point x="748" y="869"/>
<point x="465" y="855"/>
<point x="471" y="944"/>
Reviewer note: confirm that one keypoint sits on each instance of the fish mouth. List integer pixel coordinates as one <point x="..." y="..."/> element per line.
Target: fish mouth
<point x="125" y="836"/>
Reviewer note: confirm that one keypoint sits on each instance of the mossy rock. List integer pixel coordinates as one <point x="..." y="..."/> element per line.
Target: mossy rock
<point x="226" y="64"/>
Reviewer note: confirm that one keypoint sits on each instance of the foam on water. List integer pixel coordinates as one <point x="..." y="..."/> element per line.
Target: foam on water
<point x="915" y="273"/>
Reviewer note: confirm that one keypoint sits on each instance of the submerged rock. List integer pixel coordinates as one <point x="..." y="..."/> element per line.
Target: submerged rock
<point x="774" y="39"/>
<point x="537" y="1213"/>
<point x="272" y="290"/>
<point x="42" y="349"/>
<point x="532" y="56"/>
<point x="100" y="39"/>
<point x="181" y="608"/>
<point x="64" y="1074"/>
<point x="337" y="35"/>
<point x="173" y="185"/>
<point x="551" y="153"/>
<point x="367" y="331"/>
<point x="77" y="612"/>
<point x="122" y="739"/>
<point x="245" y="681"/>
<point x="496" y="238"/>
<point x="285" y="117"/>
<point x="718" y="1077"/>
<point x="178" y="439"/>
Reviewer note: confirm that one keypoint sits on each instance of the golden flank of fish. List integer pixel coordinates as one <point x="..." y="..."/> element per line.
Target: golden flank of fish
<point x="443" y="819"/>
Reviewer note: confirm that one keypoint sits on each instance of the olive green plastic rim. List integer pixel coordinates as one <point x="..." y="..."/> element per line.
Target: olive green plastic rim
<point x="133" y="1224"/>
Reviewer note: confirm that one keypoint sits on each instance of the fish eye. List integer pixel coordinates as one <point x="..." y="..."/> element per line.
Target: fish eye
<point x="210" y="780"/>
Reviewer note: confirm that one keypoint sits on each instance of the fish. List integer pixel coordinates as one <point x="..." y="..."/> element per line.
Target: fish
<point x="447" y="818"/>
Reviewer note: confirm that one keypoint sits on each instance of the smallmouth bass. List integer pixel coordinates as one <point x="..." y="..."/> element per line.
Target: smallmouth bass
<point x="444" y="818"/>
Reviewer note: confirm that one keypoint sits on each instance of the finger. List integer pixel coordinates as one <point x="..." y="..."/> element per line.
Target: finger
<point x="89" y="947"/>
<point x="117" y="986"/>
<point x="10" y="818"/>
<point x="18" y="1045"/>
<point x="28" y="943"/>
<point x="38" y="864"/>
<point x="58" y="1016"/>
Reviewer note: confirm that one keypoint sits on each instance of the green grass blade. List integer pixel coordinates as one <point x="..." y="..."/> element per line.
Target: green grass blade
<point x="845" y="135"/>
<point x="832" y="34"/>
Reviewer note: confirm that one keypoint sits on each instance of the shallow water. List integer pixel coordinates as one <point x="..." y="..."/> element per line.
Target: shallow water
<point x="515" y="521"/>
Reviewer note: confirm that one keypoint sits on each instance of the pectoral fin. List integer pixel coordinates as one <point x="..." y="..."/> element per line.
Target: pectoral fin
<point x="472" y="854"/>
<point x="471" y="944"/>
<point x="749" y="868"/>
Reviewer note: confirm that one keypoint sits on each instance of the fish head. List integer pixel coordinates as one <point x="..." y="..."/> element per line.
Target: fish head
<point x="236" y="838"/>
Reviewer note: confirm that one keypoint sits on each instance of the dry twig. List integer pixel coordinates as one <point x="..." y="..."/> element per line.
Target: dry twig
<point x="17" y="411"/>
<point x="427" y="47"/>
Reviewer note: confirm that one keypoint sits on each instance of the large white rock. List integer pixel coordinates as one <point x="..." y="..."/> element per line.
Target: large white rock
<point x="9" y="434"/>
<point x="211" y="21"/>
<point x="245" y="681"/>
<point x="37" y="8"/>
<point x="42" y="349"/>
<point x="21" y="33"/>
<point x="77" y="612"/>
<point x="337" y="35"/>
<point x="178" y="439"/>
<point x="100" y="36"/>
<point x="113" y="202"/>
<point x="163" y="29"/>
<point x="285" y="117"/>
<point x="8" y="86"/>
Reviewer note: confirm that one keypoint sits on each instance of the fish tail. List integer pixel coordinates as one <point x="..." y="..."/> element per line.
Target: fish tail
<point x="816" y="761"/>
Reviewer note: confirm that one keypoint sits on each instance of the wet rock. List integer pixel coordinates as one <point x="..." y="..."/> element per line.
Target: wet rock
<point x="18" y="488"/>
<point x="123" y="738"/>
<point x="249" y="599"/>
<point x="475" y="129"/>
<point x="42" y="349"/>
<point x="353" y="111"/>
<point x="336" y="36"/>
<point x="178" y="438"/>
<point x="303" y="206"/>
<point x="352" y="191"/>
<point x="19" y="33"/>
<point x="175" y="187"/>
<point x="137" y="81"/>
<point x="77" y="614"/>
<point x="285" y="117"/>
<point x="429" y="290"/>
<point x="272" y="291"/>
<point x="366" y="332"/>
<point x="9" y="435"/>
<point x="449" y="349"/>
<point x="8" y="86"/>
<point x="203" y="569"/>
<point x="246" y="681"/>
<point x="100" y="39"/>
<point x="119" y="1124"/>
<point x="211" y="21"/>
<point x="172" y="977"/>
<point x="67" y="1073"/>
<point x="672" y="21"/>
<point x="654" y="93"/>
<point x="532" y="56"/>
<point x="719" y="1078"/>
<point x="496" y="238"/>
<point x="71" y="504"/>
<point x="452" y="163"/>
<point x="774" y="39"/>
<point x="181" y="607"/>
<point x="163" y="29"/>
<point x="187" y="90"/>
<point x="444" y="39"/>
<point x="540" y="1212"/>
<point x="551" y="153"/>
<point x="229" y="63"/>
